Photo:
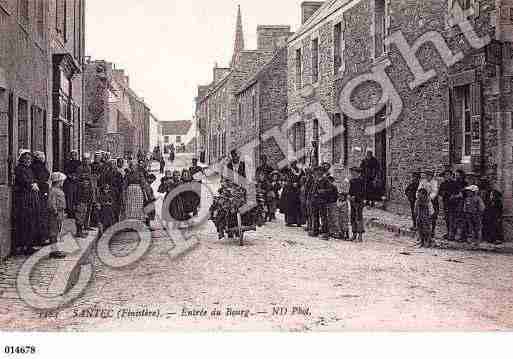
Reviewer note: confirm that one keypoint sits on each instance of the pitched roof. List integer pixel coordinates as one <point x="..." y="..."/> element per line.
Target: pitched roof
<point x="173" y="128"/>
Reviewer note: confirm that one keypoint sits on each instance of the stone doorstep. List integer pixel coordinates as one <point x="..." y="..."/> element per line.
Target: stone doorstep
<point x="379" y="223"/>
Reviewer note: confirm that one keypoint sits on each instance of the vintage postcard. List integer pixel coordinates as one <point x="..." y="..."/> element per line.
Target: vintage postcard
<point x="270" y="166"/>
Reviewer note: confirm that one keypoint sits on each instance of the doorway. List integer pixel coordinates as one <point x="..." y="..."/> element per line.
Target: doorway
<point x="380" y="148"/>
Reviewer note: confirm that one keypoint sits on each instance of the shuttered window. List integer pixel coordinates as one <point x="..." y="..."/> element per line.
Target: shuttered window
<point x="337" y="140"/>
<point x="315" y="60"/>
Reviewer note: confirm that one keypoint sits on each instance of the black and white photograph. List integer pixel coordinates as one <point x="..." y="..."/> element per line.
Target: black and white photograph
<point x="238" y="166"/>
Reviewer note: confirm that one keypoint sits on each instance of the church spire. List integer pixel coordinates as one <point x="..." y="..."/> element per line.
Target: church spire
<point x="239" y="38"/>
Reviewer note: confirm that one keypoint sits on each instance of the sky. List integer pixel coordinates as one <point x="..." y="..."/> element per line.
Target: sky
<point x="170" y="47"/>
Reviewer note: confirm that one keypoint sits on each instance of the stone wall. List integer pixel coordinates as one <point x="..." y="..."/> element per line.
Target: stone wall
<point x="273" y="103"/>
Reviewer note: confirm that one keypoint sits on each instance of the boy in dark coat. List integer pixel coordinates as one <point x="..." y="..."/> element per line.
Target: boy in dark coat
<point x="357" y="198"/>
<point x="411" y="194"/>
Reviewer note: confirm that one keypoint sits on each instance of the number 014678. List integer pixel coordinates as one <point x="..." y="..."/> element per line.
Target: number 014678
<point x="19" y="349"/>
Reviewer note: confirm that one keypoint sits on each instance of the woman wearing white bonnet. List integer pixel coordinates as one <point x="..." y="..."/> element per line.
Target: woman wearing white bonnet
<point x="26" y="205"/>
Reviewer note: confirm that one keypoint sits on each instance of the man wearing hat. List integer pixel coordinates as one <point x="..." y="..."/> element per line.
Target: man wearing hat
<point x="473" y="209"/>
<point x="320" y="189"/>
<point x="448" y="189"/>
<point x="357" y="198"/>
<point x="85" y="196"/>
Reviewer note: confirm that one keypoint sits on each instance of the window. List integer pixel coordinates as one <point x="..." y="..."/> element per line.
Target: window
<point x="37" y="134"/>
<point x="336" y="141"/>
<point x="166" y="139"/>
<point x="337" y="48"/>
<point x="77" y="18"/>
<point x="467" y="123"/>
<point x="178" y="139"/>
<point x="60" y="18"/>
<point x="253" y="108"/>
<point x="240" y="111"/>
<point x="23" y="118"/>
<point x="379" y="28"/>
<point x="299" y="69"/>
<point x="315" y="60"/>
<point x="23" y="11"/>
<point x="346" y="142"/>
<point x="465" y="4"/>
<point x="41" y="18"/>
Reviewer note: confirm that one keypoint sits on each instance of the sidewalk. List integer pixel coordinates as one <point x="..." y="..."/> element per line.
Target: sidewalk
<point x="401" y="225"/>
<point x="45" y="271"/>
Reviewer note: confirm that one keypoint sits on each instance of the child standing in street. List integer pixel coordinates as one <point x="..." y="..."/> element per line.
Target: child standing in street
<point x="343" y="213"/>
<point x="423" y="217"/>
<point x="106" y="209"/>
<point x="331" y="204"/>
<point x="162" y="164"/>
<point x="274" y="195"/>
<point x="473" y="209"/>
<point x="56" y="208"/>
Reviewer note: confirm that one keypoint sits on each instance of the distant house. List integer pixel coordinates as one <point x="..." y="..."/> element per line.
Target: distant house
<point x="177" y="132"/>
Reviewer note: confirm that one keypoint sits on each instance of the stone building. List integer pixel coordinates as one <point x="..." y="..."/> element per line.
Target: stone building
<point x="155" y="134"/>
<point x="117" y="120"/>
<point x="219" y="128"/>
<point x="41" y="58"/>
<point x="421" y="84"/>
<point x="177" y="133"/>
<point x="262" y="106"/>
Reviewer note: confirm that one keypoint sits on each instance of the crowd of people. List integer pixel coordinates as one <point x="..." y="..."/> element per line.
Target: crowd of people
<point x="95" y="193"/>
<point x="308" y="197"/>
<point x="471" y="207"/>
<point x="99" y="192"/>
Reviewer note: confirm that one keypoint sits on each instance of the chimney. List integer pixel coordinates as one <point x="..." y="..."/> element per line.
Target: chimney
<point x="308" y="8"/>
<point x="272" y="37"/>
<point x="219" y="73"/>
<point x="202" y="90"/>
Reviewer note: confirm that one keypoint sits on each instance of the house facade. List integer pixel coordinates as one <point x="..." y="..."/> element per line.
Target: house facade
<point x="177" y="133"/>
<point x="424" y="85"/>
<point x="262" y="106"/>
<point x="217" y="108"/>
<point x="41" y="59"/>
<point x="156" y="139"/>
<point x="117" y="119"/>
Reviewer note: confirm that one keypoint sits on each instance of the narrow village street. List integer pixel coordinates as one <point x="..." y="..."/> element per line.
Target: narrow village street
<point x="281" y="279"/>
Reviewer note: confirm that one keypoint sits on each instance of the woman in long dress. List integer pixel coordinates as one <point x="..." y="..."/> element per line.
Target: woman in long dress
<point x="26" y="205"/>
<point x="42" y="176"/>
<point x="291" y="201"/>
<point x="71" y="183"/>
<point x="134" y="195"/>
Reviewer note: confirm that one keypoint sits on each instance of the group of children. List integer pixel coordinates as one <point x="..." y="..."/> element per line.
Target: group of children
<point x="472" y="209"/>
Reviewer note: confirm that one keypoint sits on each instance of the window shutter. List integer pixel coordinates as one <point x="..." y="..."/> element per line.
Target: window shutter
<point x="475" y="98"/>
<point x="388" y="22"/>
<point x="456" y="127"/>
<point x="476" y="5"/>
<point x="10" y="145"/>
